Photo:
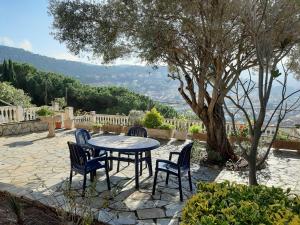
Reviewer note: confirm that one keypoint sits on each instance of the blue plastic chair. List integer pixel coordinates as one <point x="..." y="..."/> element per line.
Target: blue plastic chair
<point x="82" y="136"/>
<point x="177" y="169"/>
<point x="81" y="165"/>
<point x="138" y="132"/>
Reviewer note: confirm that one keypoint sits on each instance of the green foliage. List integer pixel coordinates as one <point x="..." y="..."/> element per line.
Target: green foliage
<point x="235" y="204"/>
<point x="153" y="119"/>
<point x="166" y="126"/>
<point x="97" y="125"/>
<point x="195" y="129"/>
<point x="61" y="101"/>
<point x="45" y="111"/>
<point x="10" y="94"/>
<point x="282" y="136"/>
<point x="107" y="100"/>
<point x="135" y="117"/>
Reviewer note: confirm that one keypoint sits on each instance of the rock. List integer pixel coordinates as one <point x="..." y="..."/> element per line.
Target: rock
<point x="167" y="221"/>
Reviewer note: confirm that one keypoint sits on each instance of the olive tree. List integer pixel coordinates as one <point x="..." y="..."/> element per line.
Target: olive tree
<point x="204" y="43"/>
<point x="274" y="28"/>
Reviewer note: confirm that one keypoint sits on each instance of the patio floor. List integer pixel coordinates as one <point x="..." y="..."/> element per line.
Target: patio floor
<point x="34" y="166"/>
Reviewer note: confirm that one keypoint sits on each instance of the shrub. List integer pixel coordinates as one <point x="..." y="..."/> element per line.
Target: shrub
<point x="135" y="117"/>
<point x="233" y="204"/>
<point x="44" y="111"/>
<point x="153" y="119"/>
<point x="282" y="136"/>
<point x="166" y="126"/>
<point x="97" y="125"/>
<point x="195" y="129"/>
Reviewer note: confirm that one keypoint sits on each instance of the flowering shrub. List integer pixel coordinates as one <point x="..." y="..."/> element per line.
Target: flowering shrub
<point x="195" y="129"/>
<point x="233" y="204"/>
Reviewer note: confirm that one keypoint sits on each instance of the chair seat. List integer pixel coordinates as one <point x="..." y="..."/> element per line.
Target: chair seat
<point x="94" y="165"/>
<point x="172" y="168"/>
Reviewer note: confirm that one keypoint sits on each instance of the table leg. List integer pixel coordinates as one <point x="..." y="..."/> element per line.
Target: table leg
<point x="110" y="161"/>
<point x="137" y="170"/>
<point x="149" y="162"/>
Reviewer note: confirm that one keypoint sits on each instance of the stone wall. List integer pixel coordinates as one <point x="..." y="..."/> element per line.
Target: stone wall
<point x="22" y="127"/>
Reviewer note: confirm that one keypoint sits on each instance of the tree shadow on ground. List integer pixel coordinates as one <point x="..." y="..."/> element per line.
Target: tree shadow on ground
<point x="286" y="154"/>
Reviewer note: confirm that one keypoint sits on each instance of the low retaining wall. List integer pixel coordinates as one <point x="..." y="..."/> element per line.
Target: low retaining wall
<point x="22" y="127"/>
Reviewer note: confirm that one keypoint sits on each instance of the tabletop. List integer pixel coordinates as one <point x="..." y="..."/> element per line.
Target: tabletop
<point x="124" y="143"/>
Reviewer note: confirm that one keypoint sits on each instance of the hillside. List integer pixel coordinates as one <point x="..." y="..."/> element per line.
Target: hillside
<point x="141" y="79"/>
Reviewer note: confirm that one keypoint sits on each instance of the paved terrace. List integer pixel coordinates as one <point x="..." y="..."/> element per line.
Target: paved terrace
<point x="34" y="166"/>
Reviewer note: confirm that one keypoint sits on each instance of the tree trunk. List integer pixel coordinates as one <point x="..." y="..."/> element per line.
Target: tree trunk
<point x="218" y="146"/>
<point x="252" y="171"/>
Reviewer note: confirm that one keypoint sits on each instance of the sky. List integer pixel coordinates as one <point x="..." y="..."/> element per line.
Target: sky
<point x="26" y="24"/>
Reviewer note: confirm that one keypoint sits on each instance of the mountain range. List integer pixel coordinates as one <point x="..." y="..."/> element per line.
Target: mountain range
<point x="142" y="79"/>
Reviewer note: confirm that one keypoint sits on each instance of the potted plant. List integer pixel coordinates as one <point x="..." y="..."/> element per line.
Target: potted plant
<point x="242" y="135"/>
<point x="197" y="133"/>
<point x="156" y="128"/>
<point x="283" y="141"/>
<point x="47" y="115"/>
<point x="62" y="104"/>
<point x="181" y="132"/>
<point x="96" y="127"/>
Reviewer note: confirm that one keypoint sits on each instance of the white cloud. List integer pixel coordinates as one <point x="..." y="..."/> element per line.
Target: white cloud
<point x="26" y="45"/>
<point x="66" y="56"/>
<point x="7" y="41"/>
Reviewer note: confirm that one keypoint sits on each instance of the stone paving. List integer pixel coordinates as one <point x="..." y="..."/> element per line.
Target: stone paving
<point x="37" y="167"/>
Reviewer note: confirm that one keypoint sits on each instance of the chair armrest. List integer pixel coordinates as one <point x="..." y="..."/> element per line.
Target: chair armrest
<point x="165" y="161"/>
<point x="173" y="153"/>
<point x="97" y="159"/>
<point x="88" y="154"/>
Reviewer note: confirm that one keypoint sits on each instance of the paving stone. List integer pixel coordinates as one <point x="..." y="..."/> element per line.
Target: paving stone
<point x="174" y="209"/>
<point x="106" y="216"/>
<point x="146" y="222"/>
<point x="150" y="213"/>
<point x="172" y="221"/>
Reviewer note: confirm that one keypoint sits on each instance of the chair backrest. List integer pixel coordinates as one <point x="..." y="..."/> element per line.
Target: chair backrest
<point x="137" y="131"/>
<point x="77" y="155"/>
<point x="82" y="136"/>
<point x="185" y="156"/>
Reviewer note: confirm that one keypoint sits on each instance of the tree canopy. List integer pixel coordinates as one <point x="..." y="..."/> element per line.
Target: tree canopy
<point x="13" y="96"/>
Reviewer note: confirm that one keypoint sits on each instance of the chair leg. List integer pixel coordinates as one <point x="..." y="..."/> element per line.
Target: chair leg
<point x="70" y="181"/>
<point x="190" y="180"/>
<point x="154" y="182"/>
<point x="92" y="176"/>
<point x="167" y="178"/>
<point x="141" y="165"/>
<point x="84" y="185"/>
<point x="107" y="176"/>
<point x="118" y="166"/>
<point x="180" y="187"/>
<point x="128" y="161"/>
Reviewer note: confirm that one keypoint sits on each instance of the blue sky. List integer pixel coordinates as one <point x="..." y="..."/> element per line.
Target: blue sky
<point x="26" y="24"/>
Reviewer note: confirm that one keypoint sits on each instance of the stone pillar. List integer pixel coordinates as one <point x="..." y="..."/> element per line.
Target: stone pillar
<point x="69" y="118"/>
<point x="19" y="114"/>
<point x="93" y="116"/>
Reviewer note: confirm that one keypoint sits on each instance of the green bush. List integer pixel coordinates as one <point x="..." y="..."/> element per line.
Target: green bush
<point x="282" y="136"/>
<point x="195" y="129"/>
<point x="44" y="111"/>
<point x="233" y="204"/>
<point x="166" y="126"/>
<point x="153" y="119"/>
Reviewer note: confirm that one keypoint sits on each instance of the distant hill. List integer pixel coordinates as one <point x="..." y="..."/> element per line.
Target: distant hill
<point x="141" y="79"/>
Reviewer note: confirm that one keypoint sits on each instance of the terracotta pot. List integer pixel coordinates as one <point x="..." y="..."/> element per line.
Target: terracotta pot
<point x="199" y="136"/>
<point x="58" y="125"/>
<point x="125" y="129"/>
<point x="112" y="128"/>
<point x="285" y="144"/>
<point x="159" y="133"/>
<point x="180" y="135"/>
<point x="96" y="129"/>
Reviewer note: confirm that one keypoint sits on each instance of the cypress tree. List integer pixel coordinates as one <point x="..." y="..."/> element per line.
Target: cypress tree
<point x="4" y="76"/>
<point x="11" y="72"/>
